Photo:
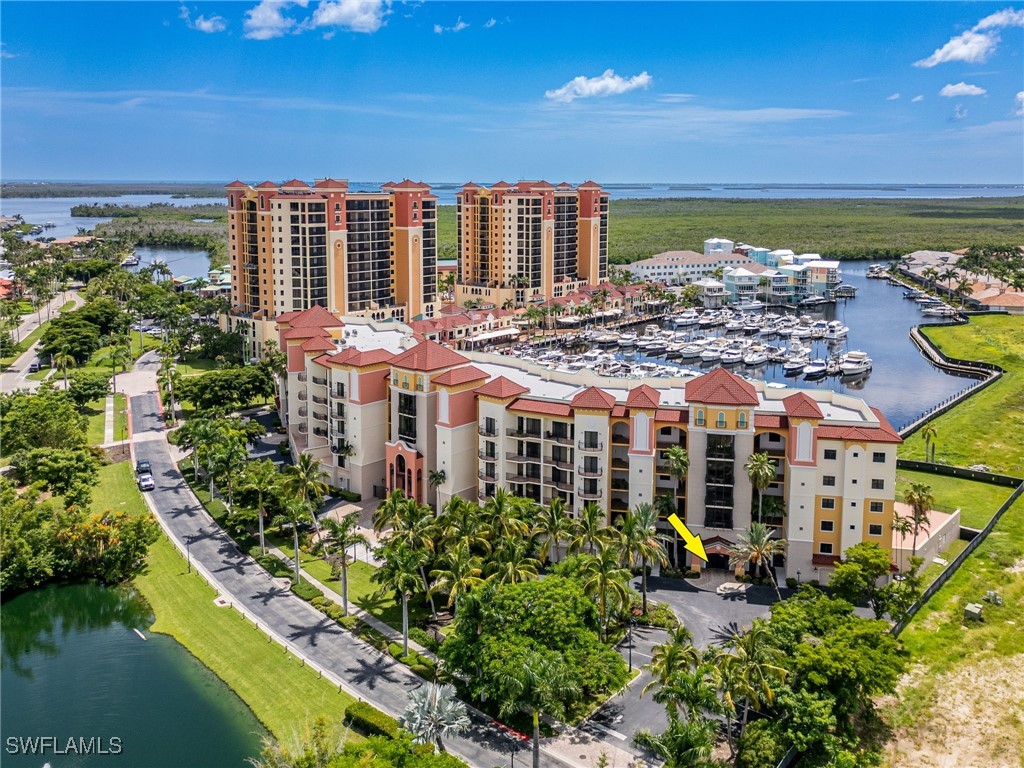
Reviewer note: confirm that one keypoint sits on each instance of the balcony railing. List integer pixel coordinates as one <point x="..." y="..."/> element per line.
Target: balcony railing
<point x="513" y="478"/>
<point x="319" y="381"/>
<point x="531" y="434"/>
<point x="319" y="431"/>
<point x="319" y="400"/>
<point x="566" y="465"/>
<point x="484" y="456"/>
<point x="620" y="439"/>
<point x="301" y="376"/>
<point x="303" y="429"/>
<point x="559" y="438"/>
<point x="490" y="476"/>
<point x="320" y="416"/>
<point x="481" y="496"/>
<point x="584" y="472"/>
<point x="485" y="431"/>
<point x="338" y="391"/>
<point x="303" y="412"/>
<point x="522" y="457"/>
<point x="590" y="447"/>
<point x="302" y="395"/>
<point x="588" y="495"/>
<point x="559" y="484"/>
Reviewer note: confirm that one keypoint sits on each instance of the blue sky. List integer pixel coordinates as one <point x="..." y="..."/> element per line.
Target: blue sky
<point x="369" y="90"/>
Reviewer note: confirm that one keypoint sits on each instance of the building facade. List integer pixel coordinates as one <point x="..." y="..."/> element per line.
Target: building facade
<point x="294" y="246"/>
<point x="532" y="241"/>
<point x="383" y="408"/>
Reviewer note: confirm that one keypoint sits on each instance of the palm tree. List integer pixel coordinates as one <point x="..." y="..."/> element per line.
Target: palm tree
<point x="683" y="744"/>
<point x="759" y="664"/>
<point x="433" y="713"/>
<point x="541" y="684"/>
<point x="602" y="576"/>
<point x="949" y="275"/>
<point x="678" y="465"/>
<point x="553" y="524"/>
<point x="678" y="655"/>
<point x="295" y="512"/>
<point x="306" y="477"/>
<point x="691" y="692"/>
<point x="963" y="287"/>
<point x="195" y="434"/>
<point x="228" y="458"/>
<point x="903" y="526"/>
<point x="929" y="433"/>
<point x="512" y="563"/>
<point x="756" y="547"/>
<point x="64" y="360"/>
<point x="436" y="478"/>
<point x="760" y="469"/>
<point x="399" y="573"/>
<point x="505" y="515"/>
<point x="919" y="497"/>
<point x="169" y="379"/>
<point x="417" y="527"/>
<point x="263" y="479"/>
<point x="275" y="362"/>
<point x="459" y="521"/>
<point x="389" y="511"/>
<point x="732" y="687"/>
<point x="343" y="536"/>
<point x="589" y="532"/>
<point x="459" y="574"/>
<point x="641" y="543"/>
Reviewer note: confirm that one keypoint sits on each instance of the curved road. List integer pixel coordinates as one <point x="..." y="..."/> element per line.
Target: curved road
<point x="366" y="673"/>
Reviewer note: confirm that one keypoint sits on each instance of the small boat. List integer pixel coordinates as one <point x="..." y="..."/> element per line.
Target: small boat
<point x="732" y="355"/>
<point x="607" y="339"/>
<point x="49" y="225"/>
<point x="938" y="311"/>
<point x="751" y="306"/>
<point x="844" y="291"/>
<point x="691" y="351"/>
<point x="855" y="362"/>
<point x="832" y="367"/>
<point x="815" y="369"/>
<point x="812" y="301"/>
<point x="755" y="357"/>
<point x="627" y="340"/>
<point x="794" y="365"/>
<point x="711" y="353"/>
<point x="836" y="330"/>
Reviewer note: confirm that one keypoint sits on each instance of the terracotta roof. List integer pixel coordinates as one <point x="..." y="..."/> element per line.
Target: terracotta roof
<point x="266" y="185"/>
<point x="460" y="376"/>
<point x="317" y="344"/>
<point x="768" y="421"/>
<point x="644" y="396"/>
<point x="428" y="356"/>
<point x="369" y="357"/>
<point x="593" y="397"/>
<point x="236" y="184"/>
<point x="802" y="406"/>
<point x="316" y="316"/>
<point x="671" y="415"/>
<point x="721" y="387"/>
<point x="303" y="333"/>
<point x="619" y="411"/>
<point x="330" y="183"/>
<point x="470" y="185"/>
<point x="501" y="388"/>
<point x="827" y="560"/>
<point x="296" y="183"/>
<point x="884" y="433"/>
<point x="407" y="184"/>
<point x="545" y="407"/>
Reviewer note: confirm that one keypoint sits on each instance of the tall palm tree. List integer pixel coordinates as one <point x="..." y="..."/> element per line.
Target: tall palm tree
<point x="294" y="513"/>
<point x="344" y="536"/>
<point x="457" y="576"/>
<point x="275" y="362"/>
<point x="678" y="461"/>
<point x="64" y="360"/>
<point x="679" y="654"/>
<point x="435" y="479"/>
<point x="389" y="511"/>
<point x="263" y="479"/>
<point x="541" y="684"/>
<point x="553" y="524"/>
<point x="641" y="543"/>
<point x="589" y="532"/>
<point x="757" y="548"/>
<point x="733" y="687"/>
<point x="512" y="563"/>
<point x="683" y="744"/>
<point x="433" y="713"/>
<point x="170" y="379"/>
<point x="929" y="432"/>
<point x="903" y="526"/>
<point x="194" y="434"/>
<point x="399" y="574"/>
<point x="963" y="287"/>
<point x="690" y="692"/>
<point x="919" y="497"/>
<point x="505" y="515"/>
<point x="417" y="527"/>
<point x="603" y="577"/>
<point x="460" y="521"/>
<point x="760" y="468"/>
<point x="306" y="478"/>
<point x="759" y="662"/>
<point x="228" y="459"/>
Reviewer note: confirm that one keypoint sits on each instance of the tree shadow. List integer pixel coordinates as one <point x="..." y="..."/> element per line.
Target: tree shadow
<point x="722" y="634"/>
<point x="313" y="632"/>
<point x="369" y="672"/>
<point x="267" y="595"/>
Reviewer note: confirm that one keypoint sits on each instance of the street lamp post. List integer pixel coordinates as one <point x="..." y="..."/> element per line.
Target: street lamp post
<point x="798" y="576"/>
<point x="632" y="623"/>
<point x="188" y="552"/>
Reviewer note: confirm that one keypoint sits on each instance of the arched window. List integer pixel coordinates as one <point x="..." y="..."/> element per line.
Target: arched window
<point x="742" y="420"/>
<point x="700" y="417"/>
<point x="720" y="423"/>
<point x="261" y="201"/>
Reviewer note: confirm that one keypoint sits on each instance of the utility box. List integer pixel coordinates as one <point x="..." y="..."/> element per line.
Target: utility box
<point x="972" y="612"/>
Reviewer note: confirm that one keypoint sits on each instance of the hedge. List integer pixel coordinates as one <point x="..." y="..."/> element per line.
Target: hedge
<point x="306" y="591"/>
<point x="370" y="720"/>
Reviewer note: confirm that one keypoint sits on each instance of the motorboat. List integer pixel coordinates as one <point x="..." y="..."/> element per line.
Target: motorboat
<point x="733" y="326"/>
<point x="691" y="350"/>
<point x="711" y="352"/>
<point x="836" y="330"/>
<point x="812" y="301"/>
<point x="832" y="367"/>
<point x="855" y="362"/>
<point x="845" y="291"/>
<point x="938" y="311"/>
<point x="816" y="369"/>
<point x="627" y="340"/>
<point x="607" y="339"/>
<point x="794" y="365"/>
<point x="732" y="355"/>
<point x="751" y="306"/>
<point x="756" y="356"/>
<point x="686" y="318"/>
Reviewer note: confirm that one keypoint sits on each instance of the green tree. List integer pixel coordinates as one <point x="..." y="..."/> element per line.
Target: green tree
<point x="47" y="418"/>
<point x="344" y="535"/>
<point x="398" y="574"/>
<point x="457" y="575"/>
<point x="434" y="713"/>
<point x="541" y="684"/>
<point x="756" y="547"/>
<point x="603" y="576"/>
<point x="929" y="432"/>
<point x="263" y="479"/>
<point x="227" y="459"/>
<point x="84" y="387"/>
<point x="60" y="469"/>
<point x="641" y="543"/>
<point x="436" y="478"/>
<point x="552" y="525"/>
<point x="856" y="577"/>
<point x="760" y="468"/>
<point x="683" y="744"/>
<point x="64" y="360"/>
<point x="669" y="659"/>
<point x="919" y="497"/>
<point x="511" y="562"/>
<point x="590" y="532"/>
<point x="295" y="512"/>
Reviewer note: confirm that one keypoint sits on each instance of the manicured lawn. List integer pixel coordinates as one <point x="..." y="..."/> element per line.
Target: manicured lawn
<point x="977" y="502"/>
<point x="116" y="490"/>
<point x="100" y="360"/>
<point x="95" y="411"/>
<point x="281" y="693"/>
<point x="193" y="366"/>
<point x="987" y="427"/>
<point x="120" y="417"/>
<point x="33" y="337"/>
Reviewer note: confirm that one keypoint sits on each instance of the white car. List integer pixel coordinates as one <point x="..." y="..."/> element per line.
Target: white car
<point x="146" y="482"/>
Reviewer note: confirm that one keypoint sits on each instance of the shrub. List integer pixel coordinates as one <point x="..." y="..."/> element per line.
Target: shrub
<point x="424" y="638"/>
<point x="395" y="649"/>
<point x="284" y="449"/>
<point x="422" y="670"/>
<point x="369" y="720"/>
<point x="691" y="574"/>
<point x="658" y="615"/>
<point x="306" y="591"/>
<point x="791" y="582"/>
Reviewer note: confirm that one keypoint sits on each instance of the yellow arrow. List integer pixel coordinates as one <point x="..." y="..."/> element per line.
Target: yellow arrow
<point x="692" y="543"/>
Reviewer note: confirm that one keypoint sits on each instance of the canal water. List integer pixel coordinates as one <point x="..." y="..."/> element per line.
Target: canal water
<point x="74" y="667"/>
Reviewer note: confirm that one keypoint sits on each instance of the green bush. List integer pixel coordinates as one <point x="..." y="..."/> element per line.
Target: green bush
<point x="424" y="638"/>
<point x="791" y="582"/>
<point x="369" y="720"/>
<point x="422" y="670"/>
<point x="658" y="615"/>
<point x="395" y="649"/>
<point x="306" y="591"/>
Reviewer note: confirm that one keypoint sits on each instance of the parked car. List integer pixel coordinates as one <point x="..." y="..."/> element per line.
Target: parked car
<point x="146" y="482"/>
<point x="33" y="366"/>
<point x="143" y="467"/>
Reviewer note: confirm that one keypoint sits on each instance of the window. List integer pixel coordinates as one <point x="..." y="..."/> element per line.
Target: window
<point x="828" y="480"/>
<point x="700" y="418"/>
<point x="830" y="454"/>
<point x="825" y="548"/>
<point x="720" y="423"/>
<point x="877" y="484"/>
<point x="878" y="457"/>
<point x="875" y="529"/>
<point x="828" y="503"/>
<point x="827" y="526"/>
<point x="742" y="421"/>
<point x="876" y="506"/>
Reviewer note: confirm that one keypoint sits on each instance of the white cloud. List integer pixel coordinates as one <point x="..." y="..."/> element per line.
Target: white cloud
<point x="894" y="97"/>
<point x="6" y="54"/>
<point x="490" y="23"/>
<point x="607" y="84"/>
<point x="675" y="98"/>
<point x="959" y="113"/>
<point x="267" y="20"/>
<point x="961" y="89"/>
<point x="356" y="15"/>
<point x="201" y="23"/>
<point x="977" y="44"/>
<point x="457" y="27"/>
<point x="917" y="99"/>
<point x="1019" y="99"/>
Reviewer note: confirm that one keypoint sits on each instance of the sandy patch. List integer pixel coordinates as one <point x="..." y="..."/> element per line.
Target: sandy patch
<point x="977" y="719"/>
<point x="1017" y="567"/>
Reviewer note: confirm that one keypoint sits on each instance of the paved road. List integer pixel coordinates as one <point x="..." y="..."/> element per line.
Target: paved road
<point x="15" y="376"/>
<point x="370" y="675"/>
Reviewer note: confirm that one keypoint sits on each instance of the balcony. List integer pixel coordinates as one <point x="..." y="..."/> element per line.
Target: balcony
<point x="303" y="412"/>
<point x="529" y="434"/>
<point x="564" y="465"/>
<point x="302" y="395"/>
<point x="486" y="456"/>
<point x="320" y="416"/>
<point x="562" y="486"/>
<point x="319" y="431"/>
<point x="513" y="478"/>
<point x="303" y="429"/>
<point x="481" y="496"/>
<point x="590" y="447"/>
<point x="338" y="391"/>
<point x="341" y="447"/>
<point x="588" y="495"/>
<point x="319" y="400"/>
<point x="595" y="472"/>
<point x="522" y="457"/>
<point x="485" y="431"/>
<point x="490" y="476"/>
<point x="559" y="438"/>
<point x="301" y="376"/>
<point x="620" y="439"/>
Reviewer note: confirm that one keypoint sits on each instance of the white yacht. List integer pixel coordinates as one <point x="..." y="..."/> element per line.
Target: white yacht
<point x="711" y="352"/>
<point x="732" y="355"/>
<point x="854" y="362"/>
<point x="793" y="365"/>
<point x="627" y="340"/>
<point x="836" y="330"/>
<point x="815" y="369"/>
<point x="756" y="356"/>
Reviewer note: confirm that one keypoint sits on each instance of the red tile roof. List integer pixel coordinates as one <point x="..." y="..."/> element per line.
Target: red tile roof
<point x="303" y="333"/>
<point x="296" y="183"/>
<point x="619" y="411"/>
<point x="827" y="560"/>
<point x="460" y="376"/>
<point x="317" y="344"/>
<point x="671" y="415"/>
<point x="884" y="433"/>
<point x="721" y="387"/>
<point x="266" y="185"/>
<point x="644" y="396"/>
<point x="315" y="316"/>
<point x="769" y="421"/>
<point x="802" y="406"/>
<point x="235" y="184"/>
<point x="369" y="357"/>
<point x="501" y="388"/>
<point x="407" y="184"/>
<point x="330" y="183"/>
<point x="593" y="397"/>
<point x="545" y="407"/>
<point x="428" y="356"/>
